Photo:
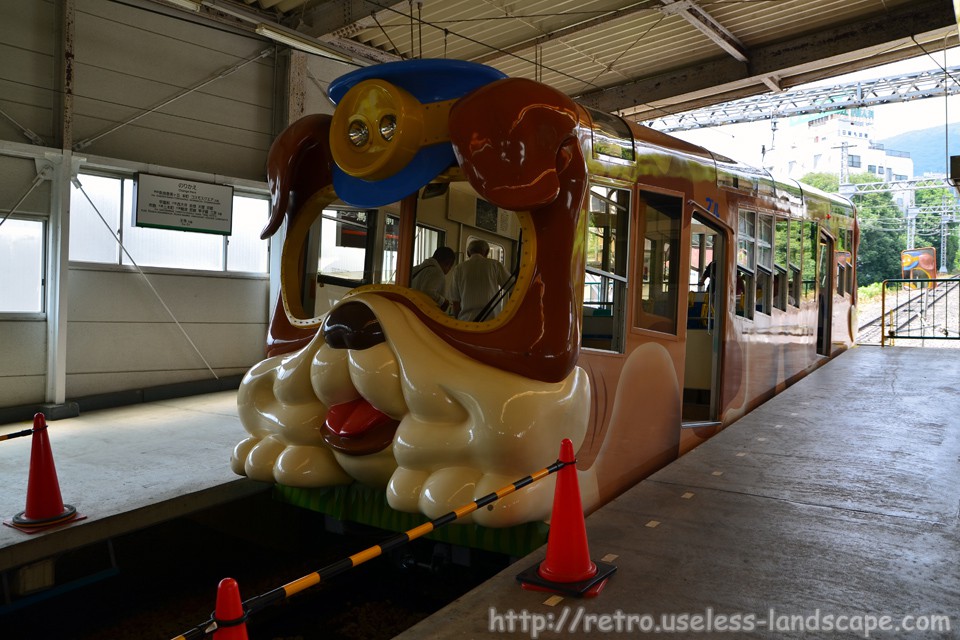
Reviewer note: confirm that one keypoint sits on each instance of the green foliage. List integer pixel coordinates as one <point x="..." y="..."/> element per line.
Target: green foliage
<point x="882" y="236"/>
<point x="870" y="293"/>
<point x="829" y="182"/>
<point x="928" y="224"/>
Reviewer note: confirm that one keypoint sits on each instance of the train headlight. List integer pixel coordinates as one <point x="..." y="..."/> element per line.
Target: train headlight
<point x="388" y="126"/>
<point x="358" y="132"/>
<point x="376" y="130"/>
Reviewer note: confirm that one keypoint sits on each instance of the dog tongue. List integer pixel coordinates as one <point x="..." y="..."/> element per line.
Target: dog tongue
<point x="352" y="419"/>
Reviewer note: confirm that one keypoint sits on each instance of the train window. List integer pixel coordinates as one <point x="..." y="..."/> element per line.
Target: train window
<point x="425" y="242"/>
<point x="823" y="266"/>
<point x="746" y="263"/>
<point x="811" y="233"/>
<point x="611" y="136"/>
<point x="781" y="238"/>
<point x="345" y="240"/>
<point x="850" y="261"/>
<point x="850" y="279"/>
<point x="841" y="259"/>
<point x="657" y="303"/>
<point x="701" y="260"/>
<point x="794" y="276"/>
<point x="764" y="263"/>
<point x="605" y="280"/>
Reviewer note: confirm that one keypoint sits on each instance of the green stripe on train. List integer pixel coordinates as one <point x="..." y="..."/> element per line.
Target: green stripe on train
<point x="364" y="505"/>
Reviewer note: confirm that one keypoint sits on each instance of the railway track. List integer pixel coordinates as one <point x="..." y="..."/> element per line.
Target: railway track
<point x="924" y="314"/>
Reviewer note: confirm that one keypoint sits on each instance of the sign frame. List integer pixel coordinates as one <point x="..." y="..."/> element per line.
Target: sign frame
<point x="179" y="204"/>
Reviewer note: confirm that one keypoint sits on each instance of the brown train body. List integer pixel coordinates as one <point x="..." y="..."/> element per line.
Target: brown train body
<point x="661" y="292"/>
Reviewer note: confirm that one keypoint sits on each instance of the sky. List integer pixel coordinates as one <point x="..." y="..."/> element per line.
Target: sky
<point x="745" y="142"/>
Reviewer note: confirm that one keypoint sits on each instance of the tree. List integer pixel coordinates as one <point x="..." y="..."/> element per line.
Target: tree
<point x="882" y="236"/>
<point x="928" y="225"/>
<point x="829" y="182"/>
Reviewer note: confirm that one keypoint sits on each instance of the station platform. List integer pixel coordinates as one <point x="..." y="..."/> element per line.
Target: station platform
<point x="830" y="509"/>
<point x="840" y="497"/>
<point x="125" y="469"/>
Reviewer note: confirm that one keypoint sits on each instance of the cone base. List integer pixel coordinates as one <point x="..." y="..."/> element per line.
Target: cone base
<point x="33" y="525"/>
<point x="531" y="580"/>
<point x="21" y="520"/>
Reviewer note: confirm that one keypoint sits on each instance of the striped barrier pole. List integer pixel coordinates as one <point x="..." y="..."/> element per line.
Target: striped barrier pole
<point x="16" y="434"/>
<point x="258" y="603"/>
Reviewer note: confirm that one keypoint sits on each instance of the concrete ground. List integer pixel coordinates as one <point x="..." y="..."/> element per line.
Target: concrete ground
<point x="831" y="509"/>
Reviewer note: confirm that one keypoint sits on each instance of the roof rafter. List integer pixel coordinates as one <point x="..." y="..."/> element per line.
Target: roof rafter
<point x="857" y="45"/>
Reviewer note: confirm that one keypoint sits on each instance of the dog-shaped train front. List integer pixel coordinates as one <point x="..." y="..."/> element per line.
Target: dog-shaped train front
<point x="386" y="389"/>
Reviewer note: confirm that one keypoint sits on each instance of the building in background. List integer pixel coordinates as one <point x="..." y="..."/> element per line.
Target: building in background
<point x="839" y="142"/>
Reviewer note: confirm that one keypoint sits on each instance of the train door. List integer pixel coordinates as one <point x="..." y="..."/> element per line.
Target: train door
<point x="705" y="317"/>
<point x="825" y="262"/>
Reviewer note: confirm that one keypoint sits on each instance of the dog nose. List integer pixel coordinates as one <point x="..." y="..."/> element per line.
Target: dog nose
<point x="352" y="325"/>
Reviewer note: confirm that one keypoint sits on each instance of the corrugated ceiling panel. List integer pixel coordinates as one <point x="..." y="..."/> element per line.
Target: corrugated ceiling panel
<point x="772" y="21"/>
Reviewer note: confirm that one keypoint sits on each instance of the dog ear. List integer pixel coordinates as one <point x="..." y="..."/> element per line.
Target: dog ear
<point x="510" y="137"/>
<point x="298" y="165"/>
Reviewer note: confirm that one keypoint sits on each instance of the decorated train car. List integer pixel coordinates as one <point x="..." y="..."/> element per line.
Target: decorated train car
<point x="919" y="264"/>
<point x="658" y="292"/>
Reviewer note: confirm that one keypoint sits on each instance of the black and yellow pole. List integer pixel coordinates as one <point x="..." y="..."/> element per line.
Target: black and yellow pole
<point x="262" y="601"/>
<point x="16" y="434"/>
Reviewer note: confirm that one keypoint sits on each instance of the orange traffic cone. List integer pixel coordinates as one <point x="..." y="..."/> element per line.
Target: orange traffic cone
<point x="44" y="505"/>
<point x="567" y="568"/>
<point x="229" y="614"/>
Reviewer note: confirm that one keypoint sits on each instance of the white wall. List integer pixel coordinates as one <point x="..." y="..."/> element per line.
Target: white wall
<point x="129" y="59"/>
<point x="120" y="336"/>
<point x="22" y="338"/>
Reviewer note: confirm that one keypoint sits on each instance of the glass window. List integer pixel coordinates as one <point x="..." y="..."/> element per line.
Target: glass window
<point x="657" y="304"/>
<point x="391" y="235"/>
<point x="780" y="261"/>
<point x="344" y="241"/>
<point x="841" y="259"/>
<point x="746" y="240"/>
<point x="765" y="242"/>
<point x="701" y="260"/>
<point x="110" y="199"/>
<point x="746" y="263"/>
<point x="21" y="266"/>
<point x="245" y="250"/>
<point x="90" y="239"/>
<point x="764" y="296"/>
<point x="795" y="276"/>
<point x="811" y="232"/>
<point x="425" y="242"/>
<point x="605" y="280"/>
<point x="170" y="248"/>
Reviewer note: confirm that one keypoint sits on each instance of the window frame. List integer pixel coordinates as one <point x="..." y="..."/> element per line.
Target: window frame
<point x="126" y="217"/>
<point x="41" y="285"/>
<point x="612" y="278"/>
<point x="663" y="251"/>
<point x="746" y="264"/>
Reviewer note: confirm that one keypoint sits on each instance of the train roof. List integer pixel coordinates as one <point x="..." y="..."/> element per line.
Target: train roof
<point x="733" y="174"/>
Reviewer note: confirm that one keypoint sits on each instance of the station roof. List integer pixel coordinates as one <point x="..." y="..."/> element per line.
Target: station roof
<point x="640" y="58"/>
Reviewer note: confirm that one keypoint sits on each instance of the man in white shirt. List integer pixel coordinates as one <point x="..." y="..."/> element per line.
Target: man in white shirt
<point x="475" y="281"/>
<point x="430" y="275"/>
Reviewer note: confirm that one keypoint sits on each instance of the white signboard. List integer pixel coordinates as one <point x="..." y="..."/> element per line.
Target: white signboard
<point x="171" y="203"/>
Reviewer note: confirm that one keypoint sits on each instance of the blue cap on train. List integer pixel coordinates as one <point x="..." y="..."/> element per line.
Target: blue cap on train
<point x="428" y="81"/>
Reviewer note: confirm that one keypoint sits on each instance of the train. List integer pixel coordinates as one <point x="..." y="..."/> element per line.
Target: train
<point x="659" y="292"/>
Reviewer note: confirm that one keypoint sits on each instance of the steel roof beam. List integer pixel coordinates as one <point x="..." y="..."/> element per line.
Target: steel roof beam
<point x="705" y="23"/>
<point x="858" y="45"/>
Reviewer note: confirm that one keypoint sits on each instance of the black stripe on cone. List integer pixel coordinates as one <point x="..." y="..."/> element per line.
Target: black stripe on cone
<point x="567" y="569"/>
<point x="44" y="504"/>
